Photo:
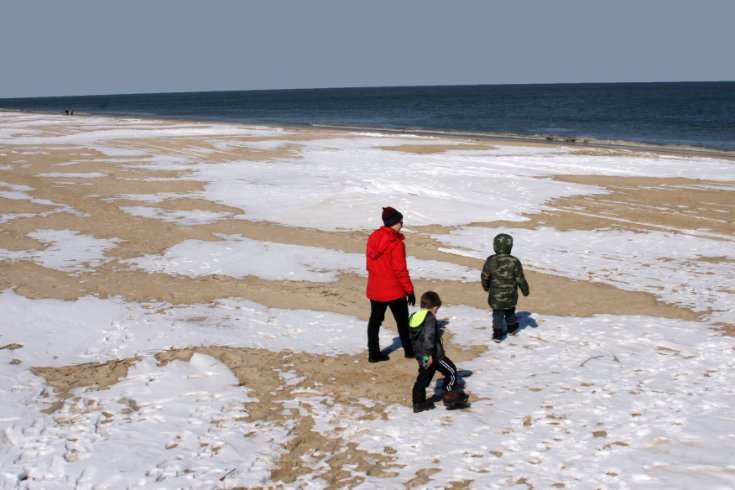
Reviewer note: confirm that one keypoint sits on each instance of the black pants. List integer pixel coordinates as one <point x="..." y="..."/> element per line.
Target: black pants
<point x="510" y="318"/>
<point x="423" y="380"/>
<point x="399" y="308"/>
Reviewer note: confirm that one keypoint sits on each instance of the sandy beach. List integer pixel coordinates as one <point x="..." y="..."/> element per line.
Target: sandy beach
<point x="145" y="213"/>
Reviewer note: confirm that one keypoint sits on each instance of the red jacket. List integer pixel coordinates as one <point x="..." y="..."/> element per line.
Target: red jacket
<point x="388" y="277"/>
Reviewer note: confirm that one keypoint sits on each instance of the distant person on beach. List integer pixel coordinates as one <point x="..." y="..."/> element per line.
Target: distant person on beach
<point x="501" y="277"/>
<point x="389" y="284"/>
<point x="426" y="337"/>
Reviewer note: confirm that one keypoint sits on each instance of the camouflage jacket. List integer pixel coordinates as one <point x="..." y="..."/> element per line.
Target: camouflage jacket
<point x="502" y="275"/>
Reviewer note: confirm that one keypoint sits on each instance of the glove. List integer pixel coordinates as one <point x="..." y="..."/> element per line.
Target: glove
<point x="411" y="298"/>
<point x="426" y="361"/>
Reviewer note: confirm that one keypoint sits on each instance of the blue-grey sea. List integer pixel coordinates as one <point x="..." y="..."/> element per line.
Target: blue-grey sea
<point x="699" y="114"/>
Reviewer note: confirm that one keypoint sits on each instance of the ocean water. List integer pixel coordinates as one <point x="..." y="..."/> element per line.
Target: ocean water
<point x="699" y="114"/>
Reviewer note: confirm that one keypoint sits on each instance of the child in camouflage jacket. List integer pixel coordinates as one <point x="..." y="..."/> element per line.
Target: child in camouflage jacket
<point x="501" y="277"/>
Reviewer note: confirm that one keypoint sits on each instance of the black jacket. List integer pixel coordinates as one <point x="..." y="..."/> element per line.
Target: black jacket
<point x="426" y="335"/>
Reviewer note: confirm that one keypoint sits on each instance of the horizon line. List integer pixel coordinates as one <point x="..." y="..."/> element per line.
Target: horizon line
<point x="359" y="87"/>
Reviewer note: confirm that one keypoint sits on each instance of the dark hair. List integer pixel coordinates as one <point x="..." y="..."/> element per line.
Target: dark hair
<point x="429" y="300"/>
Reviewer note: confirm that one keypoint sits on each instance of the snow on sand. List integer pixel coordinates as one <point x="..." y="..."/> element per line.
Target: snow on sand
<point x="606" y="401"/>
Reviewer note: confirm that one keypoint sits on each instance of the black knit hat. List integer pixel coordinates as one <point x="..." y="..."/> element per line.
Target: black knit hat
<point x="391" y="216"/>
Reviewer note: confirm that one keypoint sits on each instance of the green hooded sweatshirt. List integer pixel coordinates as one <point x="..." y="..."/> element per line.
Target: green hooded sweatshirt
<point x="502" y="275"/>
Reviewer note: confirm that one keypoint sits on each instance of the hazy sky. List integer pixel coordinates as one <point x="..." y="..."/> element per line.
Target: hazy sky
<point x="51" y="47"/>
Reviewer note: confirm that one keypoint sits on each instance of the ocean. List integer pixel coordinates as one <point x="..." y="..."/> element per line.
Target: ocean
<point x="696" y="114"/>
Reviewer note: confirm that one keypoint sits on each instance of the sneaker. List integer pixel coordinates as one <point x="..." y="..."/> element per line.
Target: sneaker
<point x="497" y="337"/>
<point x="514" y="329"/>
<point x="424" y="405"/>
<point x="379" y="358"/>
<point x="452" y="398"/>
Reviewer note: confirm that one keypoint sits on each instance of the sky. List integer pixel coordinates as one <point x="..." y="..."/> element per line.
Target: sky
<point x="81" y="47"/>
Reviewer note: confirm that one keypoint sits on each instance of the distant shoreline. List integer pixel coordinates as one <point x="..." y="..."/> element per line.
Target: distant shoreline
<point x="583" y="142"/>
<point x="579" y="142"/>
<point x="683" y="116"/>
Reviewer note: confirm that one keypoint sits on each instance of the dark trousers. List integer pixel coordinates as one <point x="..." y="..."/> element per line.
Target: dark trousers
<point x="510" y="318"/>
<point x="399" y="308"/>
<point x="423" y="380"/>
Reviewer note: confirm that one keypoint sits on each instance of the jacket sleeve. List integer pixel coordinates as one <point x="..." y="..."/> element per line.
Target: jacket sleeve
<point x="486" y="275"/>
<point x="399" y="267"/>
<point x="521" y="279"/>
<point x="429" y="336"/>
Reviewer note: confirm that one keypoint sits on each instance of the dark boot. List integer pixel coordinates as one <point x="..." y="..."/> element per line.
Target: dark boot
<point x="379" y="357"/>
<point x="452" y="398"/>
<point x="514" y="328"/>
<point x="497" y="336"/>
<point x="421" y="406"/>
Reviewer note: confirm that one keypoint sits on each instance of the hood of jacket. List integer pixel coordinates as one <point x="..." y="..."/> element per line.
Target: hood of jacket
<point x="417" y="318"/>
<point x="503" y="244"/>
<point x="382" y="238"/>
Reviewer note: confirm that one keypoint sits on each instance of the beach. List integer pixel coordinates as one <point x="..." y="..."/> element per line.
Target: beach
<point x="185" y="307"/>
